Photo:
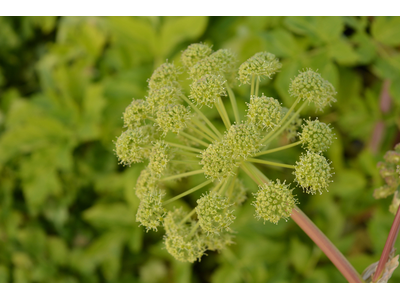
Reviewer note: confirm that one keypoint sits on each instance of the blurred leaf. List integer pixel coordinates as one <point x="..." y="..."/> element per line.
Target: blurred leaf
<point x="299" y="254"/>
<point x="177" y="30"/>
<point x="109" y="215"/>
<point x="282" y="43"/>
<point x="342" y="51"/>
<point x="386" y="30"/>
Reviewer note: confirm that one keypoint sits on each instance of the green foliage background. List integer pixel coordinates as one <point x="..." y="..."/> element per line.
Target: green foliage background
<point x="67" y="209"/>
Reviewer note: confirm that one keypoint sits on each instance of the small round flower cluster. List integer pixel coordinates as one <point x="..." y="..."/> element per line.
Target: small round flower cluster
<point x="178" y="139"/>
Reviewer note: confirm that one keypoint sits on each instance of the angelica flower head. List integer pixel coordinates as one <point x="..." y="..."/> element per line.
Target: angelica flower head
<point x="205" y="135"/>
<point x="260" y="64"/>
<point x="316" y="136"/>
<point x="309" y="85"/>
<point x="274" y="201"/>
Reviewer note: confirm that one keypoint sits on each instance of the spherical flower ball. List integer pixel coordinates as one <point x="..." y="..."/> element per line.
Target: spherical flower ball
<point x="159" y="158"/>
<point x="128" y="146"/>
<point x="310" y="85"/>
<point x="217" y="161"/>
<point x="182" y="240"/>
<point x="217" y="241"/>
<point x="145" y="183"/>
<point x="274" y="201"/>
<point x="260" y="64"/>
<point x="194" y="53"/>
<point x="165" y="95"/>
<point x="207" y="90"/>
<point x="316" y="136"/>
<point x="135" y="113"/>
<point x="313" y="172"/>
<point x="213" y="213"/>
<point x="264" y="112"/>
<point x="243" y="139"/>
<point x="166" y="74"/>
<point x="173" y="118"/>
<point x="151" y="212"/>
<point x="221" y="62"/>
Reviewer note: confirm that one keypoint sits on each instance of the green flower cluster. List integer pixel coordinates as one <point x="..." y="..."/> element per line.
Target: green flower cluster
<point x="170" y="131"/>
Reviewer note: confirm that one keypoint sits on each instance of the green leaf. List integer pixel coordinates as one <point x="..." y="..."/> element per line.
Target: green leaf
<point x="177" y="30"/>
<point x="386" y="30"/>
<point x="348" y="183"/>
<point x="341" y="51"/>
<point x="282" y="43"/>
<point x="299" y="254"/>
<point x="365" y="47"/>
<point x="290" y="69"/>
<point x="109" y="215"/>
<point x="320" y="29"/>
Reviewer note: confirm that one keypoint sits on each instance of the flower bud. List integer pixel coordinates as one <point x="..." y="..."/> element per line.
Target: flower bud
<point x="173" y="118"/>
<point x="135" y="113"/>
<point x="243" y="140"/>
<point x="151" y="213"/>
<point x="207" y="90"/>
<point x="129" y="146"/>
<point x="213" y="213"/>
<point x="182" y="240"/>
<point x="165" y="95"/>
<point x="166" y="74"/>
<point x="217" y="161"/>
<point x="310" y="85"/>
<point x="260" y="64"/>
<point x="219" y="63"/>
<point x="194" y="53"/>
<point x="313" y="172"/>
<point x="159" y="158"/>
<point x="274" y="201"/>
<point x="316" y="136"/>
<point x="264" y="112"/>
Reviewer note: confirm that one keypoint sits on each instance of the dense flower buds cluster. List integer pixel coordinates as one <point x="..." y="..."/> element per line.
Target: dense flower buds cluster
<point x="313" y="172"/>
<point x="316" y="136"/>
<point x="274" y="201"/>
<point x="310" y="85"/>
<point x="170" y="132"/>
<point x="260" y="64"/>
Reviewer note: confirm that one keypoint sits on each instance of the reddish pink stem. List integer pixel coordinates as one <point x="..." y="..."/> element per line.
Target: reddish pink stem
<point x="394" y="230"/>
<point x="326" y="246"/>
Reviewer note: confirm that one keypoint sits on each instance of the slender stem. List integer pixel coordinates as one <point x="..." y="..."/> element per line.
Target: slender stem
<point x="234" y="103"/>
<point x="201" y="133"/>
<point x="188" y="216"/>
<point x="204" y="128"/>
<point x="222" y="112"/>
<point x="192" y="190"/>
<point x="190" y="137"/>
<point x="223" y="189"/>
<point x="260" y="161"/>
<point x="278" y="149"/>
<point x="185" y="161"/>
<point x="184" y="147"/>
<point x="194" y="229"/>
<point x="182" y="175"/>
<point x="217" y="187"/>
<point x="326" y="246"/>
<point x="232" y="186"/>
<point x="252" y="85"/>
<point x="257" y="86"/>
<point x="314" y="233"/>
<point x="202" y="116"/>
<point x="282" y="128"/>
<point x="282" y="121"/>
<point x="394" y="230"/>
<point x="182" y="152"/>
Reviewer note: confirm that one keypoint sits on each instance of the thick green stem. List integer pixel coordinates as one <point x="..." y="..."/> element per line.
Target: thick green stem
<point x="208" y="122"/>
<point x="182" y="175"/>
<point x="234" y="103"/>
<point x="278" y="149"/>
<point x="271" y="163"/>
<point x="222" y="112"/>
<point x="200" y="133"/>
<point x="205" y="129"/>
<point x="196" y="140"/>
<point x="197" y="162"/>
<point x="192" y="190"/>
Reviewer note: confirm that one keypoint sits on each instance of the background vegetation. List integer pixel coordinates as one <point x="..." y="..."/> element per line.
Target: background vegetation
<point x="67" y="209"/>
